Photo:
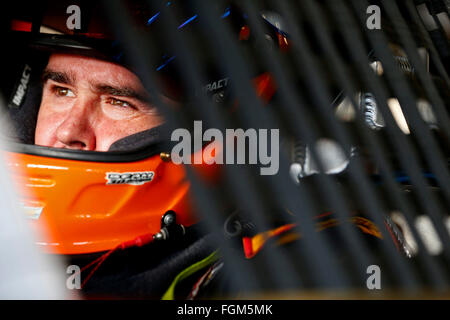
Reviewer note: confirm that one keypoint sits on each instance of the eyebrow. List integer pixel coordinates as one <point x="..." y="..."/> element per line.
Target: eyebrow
<point x="57" y="76"/>
<point x="122" y="92"/>
<point x="69" y="79"/>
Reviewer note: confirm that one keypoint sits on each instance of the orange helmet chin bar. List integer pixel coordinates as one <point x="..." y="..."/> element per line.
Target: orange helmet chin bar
<point x="78" y="207"/>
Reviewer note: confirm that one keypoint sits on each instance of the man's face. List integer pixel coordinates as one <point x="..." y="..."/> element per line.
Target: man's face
<point x="88" y="104"/>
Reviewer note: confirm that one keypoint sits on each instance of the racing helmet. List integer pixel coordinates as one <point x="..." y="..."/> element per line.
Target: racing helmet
<point x="87" y="201"/>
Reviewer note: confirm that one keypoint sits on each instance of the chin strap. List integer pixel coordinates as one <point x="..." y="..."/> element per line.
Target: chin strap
<point x="170" y="230"/>
<point x="136" y="242"/>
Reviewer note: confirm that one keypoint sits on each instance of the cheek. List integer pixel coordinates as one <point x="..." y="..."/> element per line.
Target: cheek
<point x="145" y="122"/>
<point x="52" y="113"/>
<point x="46" y="126"/>
<point x="109" y="131"/>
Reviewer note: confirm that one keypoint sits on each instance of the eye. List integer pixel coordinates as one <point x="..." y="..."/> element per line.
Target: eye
<point x="63" y="92"/>
<point x="120" y="103"/>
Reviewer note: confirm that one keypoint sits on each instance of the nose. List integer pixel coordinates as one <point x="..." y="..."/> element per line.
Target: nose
<point x="76" y="131"/>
